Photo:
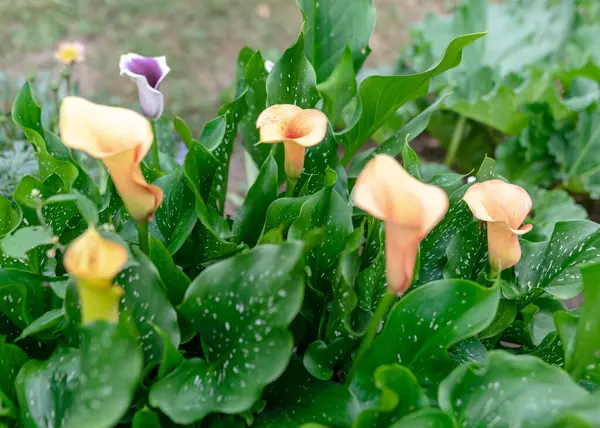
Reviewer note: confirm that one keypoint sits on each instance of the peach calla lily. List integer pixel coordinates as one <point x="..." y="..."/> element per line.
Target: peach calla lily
<point x="94" y="262"/>
<point x="409" y="208"/>
<point x="120" y="138"/>
<point x="504" y="207"/>
<point x="296" y="128"/>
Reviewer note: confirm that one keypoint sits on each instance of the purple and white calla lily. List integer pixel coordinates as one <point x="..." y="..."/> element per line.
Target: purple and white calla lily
<point x="147" y="73"/>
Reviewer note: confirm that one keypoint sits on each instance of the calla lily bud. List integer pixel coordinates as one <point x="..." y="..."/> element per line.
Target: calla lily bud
<point x="504" y="207"/>
<point x="94" y="262"/>
<point x="120" y="138"/>
<point x="296" y="128"/>
<point x="147" y="73"/>
<point x="409" y="209"/>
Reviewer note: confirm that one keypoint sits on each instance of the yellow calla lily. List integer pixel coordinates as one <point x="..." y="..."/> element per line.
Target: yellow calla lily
<point x="504" y="207"/>
<point x="119" y="137"/>
<point x="296" y="128"/>
<point x="409" y="208"/>
<point x="94" y="262"/>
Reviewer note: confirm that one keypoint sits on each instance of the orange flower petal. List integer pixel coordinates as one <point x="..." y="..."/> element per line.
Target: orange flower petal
<point x="410" y="209"/>
<point x="294" y="159"/>
<point x="94" y="259"/>
<point x="273" y="121"/>
<point x="504" y="207"/>
<point x="121" y="138"/>
<point x="308" y="128"/>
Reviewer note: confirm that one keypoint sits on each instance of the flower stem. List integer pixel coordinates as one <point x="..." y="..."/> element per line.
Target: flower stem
<point x="291" y="186"/>
<point x="457" y="138"/>
<point x="155" y="148"/>
<point x="142" y="226"/>
<point x="384" y="305"/>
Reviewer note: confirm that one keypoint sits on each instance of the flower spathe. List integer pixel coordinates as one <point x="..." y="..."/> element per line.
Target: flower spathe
<point x="296" y="128"/>
<point x="120" y="138"/>
<point x="409" y="208"/>
<point x="147" y="73"/>
<point x="94" y="262"/>
<point x="504" y="207"/>
<point x="70" y="52"/>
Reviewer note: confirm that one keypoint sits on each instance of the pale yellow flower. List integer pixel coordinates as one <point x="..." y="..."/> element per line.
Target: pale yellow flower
<point x="70" y="52"/>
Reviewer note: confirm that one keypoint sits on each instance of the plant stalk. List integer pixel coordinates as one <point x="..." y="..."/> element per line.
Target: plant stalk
<point x="143" y="237"/>
<point x="291" y="186"/>
<point x="457" y="138"/>
<point x="384" y="305"/>
<point x="155" y="155"/>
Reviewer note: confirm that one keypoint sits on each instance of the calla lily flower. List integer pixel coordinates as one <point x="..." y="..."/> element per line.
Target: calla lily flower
<point x="296" y="128"/>
<point x="119" y="137"/>
<point x="147" y="73"/>
<point x="94" y="262"/>
<point x="504" y="207"/>
<point x="70" y="52"/>
<point x="409" y="208"/>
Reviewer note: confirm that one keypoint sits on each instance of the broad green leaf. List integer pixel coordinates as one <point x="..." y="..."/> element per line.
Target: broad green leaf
<point x="297" y="398"/>
<point x="330" y="26"/>
<point x="241" y="307"/>
<point x="515" y="390"/>
<point x="371" y="282"/>
<point x="20" y="242"/>
<point x="421" y="327"/>
<point x="293" y="79"/>
<point x="426" y="418"/>
<point x="282" y="212"/>
<point x="175" y="217"/>
<point x="52" y="320"/>
<point x="9" y="217"/>
<point x="87" y="208"/>
<point x="583" y="414"/>
<point x="506" y="314"/>
<point x="171" y="357"/>
<point x="27" y="114"/>
<point x="250" y="218"/>
<point x="583" y="359"/>
<point x="176" y="282"/>
<point x="320" y="358"/>
<point x="550" y="207"/>
<point x="339" y="88"/>
<point x="145" y="418"/>
<point x="23" y="296"/>
<point x="553" y="265"/>
<point x="88" y="387"/>
<point x="467" y="253"/>
<point x="381" y="96"/>
<point x="146" y="303"/>
<point x="326" y="210"/>
<point x="184" y="132"/>
<point x="12" y="359"/>
<point x="401" y="395"/>
<point x="222" y="148"/>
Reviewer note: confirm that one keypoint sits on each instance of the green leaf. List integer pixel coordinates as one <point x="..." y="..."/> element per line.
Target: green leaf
<point x="23" y="296"/>
<point x="241" y="307"/>
<point x="467" y="253"/>
<point x="20" y="242"/>
<point x="401" y="395"/>
<point x="330" y="26"/>
<point x="293" y="79"/>
<point x="27" y="114"/>
<point x="297" y="398"/>
<point x="9" y="217"/>
<point x="553" y="265"/>
<point x="12" y="359"/>
<point x="381" y="96"/>
<point x="90" y="387"/>
<point x="171" y="357"/>
<point x="184" y="132"/>
<point x="517" y="390"/>
<point x="327" y="210"/>
<point x="426" y="418"/>
<point x="281" y="213"/>
<point x="175" y="217"/>
<point x="339" y="88"/>
<point x="506" y="314"/>
<point x="146" y="303"/>
<point x="583" y="414"/>
<point x="583" y="357"/>
<point x="87" y="208"/>
<point x="51" y="320"/>
<point x="550" y="207"/>
<point x="176" y="282"/>
<point x="250" y="218"/>
<point x="421" y="327"/>
<point x="222" y="148"/>
<point x="145" y="418"/>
